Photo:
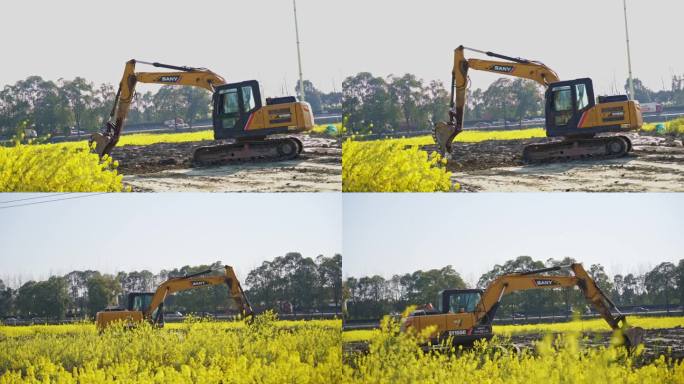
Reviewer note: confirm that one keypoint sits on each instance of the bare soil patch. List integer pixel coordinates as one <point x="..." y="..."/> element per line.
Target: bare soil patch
<point x="167" y="167"/>
<point x="656" y="164"/>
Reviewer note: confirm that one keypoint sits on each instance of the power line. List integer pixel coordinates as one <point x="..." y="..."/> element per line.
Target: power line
<point x="53" y="200"/>
<point x="36" y="197"/>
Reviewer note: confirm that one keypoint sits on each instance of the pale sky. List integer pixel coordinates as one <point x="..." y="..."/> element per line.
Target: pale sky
<point x="240" y="40"/>
<point x="389" y="234"/>
<point x="579" y="38"/>
<point x="115" y="232"/>
<point x="256" y="39"/>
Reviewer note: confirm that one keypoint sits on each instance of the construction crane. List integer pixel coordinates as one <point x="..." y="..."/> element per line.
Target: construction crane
<point x="149" y="306"/>
<point x="570" y="107"/>
<point x="238" y="116"/>
<point x="466" y="315"/>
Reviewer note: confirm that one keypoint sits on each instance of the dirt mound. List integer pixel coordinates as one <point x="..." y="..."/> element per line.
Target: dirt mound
<point x="168" y="167"/>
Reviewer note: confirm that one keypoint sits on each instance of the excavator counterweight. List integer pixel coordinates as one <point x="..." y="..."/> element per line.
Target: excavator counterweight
<point x="572" y="113"/>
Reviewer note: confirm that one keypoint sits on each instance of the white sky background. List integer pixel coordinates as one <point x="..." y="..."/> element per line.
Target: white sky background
<point x="578" y="38"/>
<point x="387" y="234"/>
<point x="116" y="232"/>
<point x="240" y="40"/>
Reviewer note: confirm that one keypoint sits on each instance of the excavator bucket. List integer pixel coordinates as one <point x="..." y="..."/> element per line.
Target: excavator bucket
<point x="444" y="134"/>
<point x="633" y="336"/>
<point x="102" y="143"/>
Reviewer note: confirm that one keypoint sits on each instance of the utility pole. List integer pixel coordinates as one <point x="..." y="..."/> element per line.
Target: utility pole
<point x="299" y="55"/>
<point x="629" y="57"/>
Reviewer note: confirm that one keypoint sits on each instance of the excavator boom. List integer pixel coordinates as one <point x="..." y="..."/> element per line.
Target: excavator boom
<point x="199" y="280"/>
<point x="445" y="132"/>
<point x="196" y="77"/>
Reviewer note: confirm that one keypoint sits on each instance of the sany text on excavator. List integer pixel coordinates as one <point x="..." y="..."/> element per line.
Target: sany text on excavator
<point x="238" y="115"/>
<point x="149" y="306"/>
<point x="571" y="111"/>
<point x="466" y="315"/>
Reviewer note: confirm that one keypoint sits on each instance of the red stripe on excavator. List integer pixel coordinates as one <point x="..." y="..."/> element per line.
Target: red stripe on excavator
<point x="581" y="123"/>
<point x="249" y="121"/>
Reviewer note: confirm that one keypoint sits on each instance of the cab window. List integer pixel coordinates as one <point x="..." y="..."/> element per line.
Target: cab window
<point x="582" y="97"/>
<point x="230" y="101"/>
<point x="562" y="99"/>
<point x="463" y="302"/>
<point x="141" y="302"/>
<point x="562" y="104"/>
<point x="247" y="99"/>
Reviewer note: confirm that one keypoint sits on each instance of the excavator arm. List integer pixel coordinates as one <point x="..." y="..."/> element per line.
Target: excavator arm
<point x="199" y="280"/>
<point x="510" y="283"/>
<point x="444" y="133"/>
<point x="106" y="139"/>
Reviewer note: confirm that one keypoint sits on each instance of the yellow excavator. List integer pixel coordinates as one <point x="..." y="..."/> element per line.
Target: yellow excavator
<point x="149" y="306"/>
<point x="466" y="315"/>
<point x="238" y="115"/>
<point x="570" y="108"/>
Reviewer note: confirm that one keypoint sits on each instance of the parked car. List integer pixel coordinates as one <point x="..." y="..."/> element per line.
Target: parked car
<point x="176" y="123"/>
<point x="76" y="132"/>
<point x="10" y="321"/>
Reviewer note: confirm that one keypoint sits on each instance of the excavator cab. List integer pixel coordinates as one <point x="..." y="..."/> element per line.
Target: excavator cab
<point x="572" y="111"/>
<point x="234" y="104"/>
<point x="566" y="102"/>
<point x="139" y="301"/>
<point x="454" y="318"/>
<point x="458" y="300"/>
<point x="239" y="113"/>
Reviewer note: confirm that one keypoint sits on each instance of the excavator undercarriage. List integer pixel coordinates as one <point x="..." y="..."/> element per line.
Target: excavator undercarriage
<point x="578" y="148"/>
<point x="276" y="149"/>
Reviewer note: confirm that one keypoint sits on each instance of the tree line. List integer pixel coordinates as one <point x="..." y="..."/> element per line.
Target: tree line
<point x="58" y="107"/>
<point x="374" y="296"/>
<point x="286" y="284"/>
<point x="402" y="103"/>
